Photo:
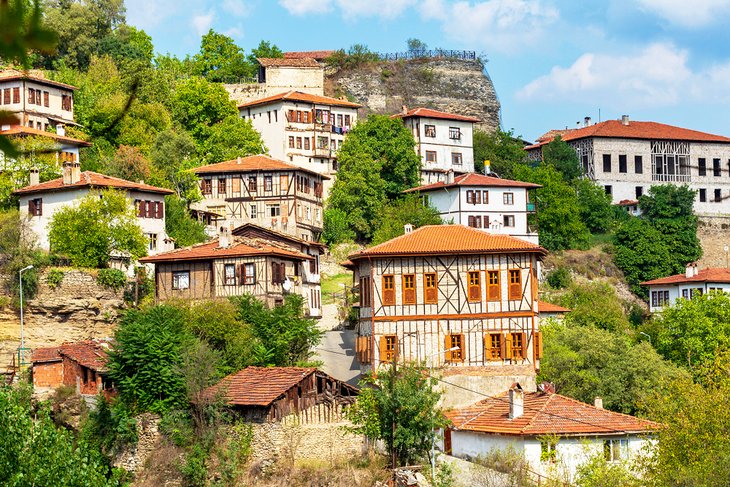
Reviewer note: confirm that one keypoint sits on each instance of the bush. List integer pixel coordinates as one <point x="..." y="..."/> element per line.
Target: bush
<point x="110" y="426"/>
<point x="559" y="278"/>
<point x="195" y="471"/>
<point x="54" y="278"/>
<point x="111" y="278"/>
<point x="336" y="229"/>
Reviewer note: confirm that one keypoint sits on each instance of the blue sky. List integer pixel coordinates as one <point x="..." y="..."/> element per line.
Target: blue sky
<point x="552" y="62"/>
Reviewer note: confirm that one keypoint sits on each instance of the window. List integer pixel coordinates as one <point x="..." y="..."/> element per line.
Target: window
<point x="475" y="286"/>
<point x="268" y="113"/>
<point x="454" y="133"/>
<point x="703" y="195"/>
<point x="252" y="186"/>
<point x="430" y="288"/>
<point x="456" y="159"/>
<point x="659" y="298"/>
<point x="508" y="198"/>
<point x="291" y="141"/>
<point x="701" y="167"/>
<point x="638" y="165"/>
<point x="229" y="274"/>
<point x="222" y="186"/>
<point x="474" y="221"/>
<point x="493" y="292"/>
<point x="548" y="450"/>
<point x="46" y="101"/>
<point x="6" y="96"/>
<point x="31" y="96"/>
<point x="493" y="346"/>
<point x="306" y="143"/>
<point x="622" y="163"/>
<point x="16" y="95"/>
<point x="388" y="348"/>
<point x="308" y="212"/>
<point x="429" y="130"/>
<point x="299" y="142"/>
<point x="248" y="273"/>
<point x="409" y="289"/>
<point x="515" y="284"/>
<point x="455" y="340"/>
<point x="615" y="450"/>
<point x="509" y="220"/>
<point x="364" y="291"/>
<point x="388" y="290"/>
<point x="485" y="197"/>
<point x="268" y="185"/>
<point x="206" y="186"/>
<point x="35" y="207"/>
<point x="322" y="142"/>
<point x="152" y="241"/>
<point x="515" y="346"/>
<point x="718" y="196"/>
<point x="608" y="189"/>
<point x="278" y="272"/>
<point x="181" y="280"/>
<point x="606" y="162"/>
<point x="639" y="191"/>
<point x="66" y="102"/>
<point x="274" y="210"/>
<point x="276" y="116"/>
<point x="347" y="121"/>
<point x="252" y="211"/>
<point x="716" y="171"/>
<point x="430" y="156"/>
<point x="339" y="120"/>
<point x="283" y="183"/>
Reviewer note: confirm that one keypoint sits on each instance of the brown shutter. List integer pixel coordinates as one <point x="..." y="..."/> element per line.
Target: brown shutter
<point x="447" y="345"/>
<point x="432" y="294"/>
<point x="16" y="95"/>
<point x="160" y="210"/>
<point x="475" y="291"/>
<point x="503" y="347"/>
<point x="6" y="96"/>
<point x="462" y="348"/>
<point x="46" y="101"/>
<point x="493" y="289"/>
<point x="537" y="344"/>
<point x="477" y="197"/>
<point x="31" y="207"/>
<point x="383" y="351"/>
<point x="523" y="352"/>
<point x="508" y="346"/>
<point x="242" y="273"/>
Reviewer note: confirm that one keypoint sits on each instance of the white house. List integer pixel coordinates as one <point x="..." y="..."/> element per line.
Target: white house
<point x="66" y="149"/>
<point x="40" y="201"/>
<point x="37" y="102"/>
<point x="444" y="141"/>
<point x="554" y="433"/>
<point x="498" y="206"/>
<point x="665" y="291"/>
<point x="303" y="129"/>
<point x="550" y="311"/>
<point x="628" y="157"/>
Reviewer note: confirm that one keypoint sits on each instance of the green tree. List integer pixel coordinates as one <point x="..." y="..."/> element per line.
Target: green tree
<point x="336" y="228"/>
<point x="179" y="225"/>
<point x="18" y="249"/>
<point x="503" y="150"/>
<point x="641" y="253"/>
<point x="264" y="50"/>
<point x="220" y="59"/>
<point x="101" y="224"/>
<point x="129" y="163"/>
<point x="401" y="409"/>
<point x="230" y="138"/>
<point x="562" y="157"/>
<point x="395" y="215"/>
<point x="416" y="45"/>
<point x="33" y="152"/>
<point x="128" y="44"/>
<point x="173" y="155"/>
<point x="595" y="304"/>
<point x="199" y="104"/>
<point x="594" y="205"/>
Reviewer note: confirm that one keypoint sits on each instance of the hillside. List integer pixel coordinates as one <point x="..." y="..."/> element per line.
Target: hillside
<point x="451" y="85"/>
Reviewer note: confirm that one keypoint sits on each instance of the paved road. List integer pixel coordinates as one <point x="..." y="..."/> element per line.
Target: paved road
<point x="337" y="349"/>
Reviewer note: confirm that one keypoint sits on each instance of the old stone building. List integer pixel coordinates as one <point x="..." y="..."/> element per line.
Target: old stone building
<point x="80" y="365"/>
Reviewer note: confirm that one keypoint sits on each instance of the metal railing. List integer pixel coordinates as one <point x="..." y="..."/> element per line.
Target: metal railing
<point x="429" y="54"/>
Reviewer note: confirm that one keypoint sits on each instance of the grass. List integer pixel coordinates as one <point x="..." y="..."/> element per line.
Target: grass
<point x="601" y="239"/>
<point x="333" y="284"/>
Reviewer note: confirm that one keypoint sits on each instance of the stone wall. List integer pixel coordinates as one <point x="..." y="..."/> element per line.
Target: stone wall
<point x="133" y="458"/>
<point x="713" y="235"/>
<point x="78" y="309"/>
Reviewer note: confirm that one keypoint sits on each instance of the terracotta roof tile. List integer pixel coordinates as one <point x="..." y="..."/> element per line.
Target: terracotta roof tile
<point x="430" y="113"/>
<point x="252" y="163"/>
<point x="20" y="130"/>
<point x="34" y="75"/>
<point x="318" y="55"/>
<point x="545" y="413"/>
<point x="545" y="307"/>
<point x="90" y="179"/>
<point x="301" y="97"/>
<point x="251" y="229"/>
<point x="474" y="179"/>
<point x="258" y="386"/>
<point x="91" y="353"/>
<point x="46" y="354"/>
<point x="302" y="62"/>
<point x="712" y="274"/>
<point x="240" y="247"/>
<point x="448" y="239"/>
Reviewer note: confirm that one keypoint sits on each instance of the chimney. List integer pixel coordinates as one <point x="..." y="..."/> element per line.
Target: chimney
<point x="586" y="121"/>
<point x="516" y="401"/>
<point x="35" y="176"/>
<point x="695" y="269"/>
<point x="598" y="402"/>
<point x="408" y="228"/>
<point x="624" y="120"/>
<point x="67" y="172"/>
<point x="224" y="237"/>
<point x="239" y="160"/>
<point x="61" y="130"/>
<point x="691" y="270"/>
<point x="403" y="109"/>
<point x="449" y="176"/>
<point x="75" y="171"/>
<point x="487" y="167"/>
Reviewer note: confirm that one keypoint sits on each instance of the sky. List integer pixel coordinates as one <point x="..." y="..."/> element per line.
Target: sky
<point x="552" y="62"/>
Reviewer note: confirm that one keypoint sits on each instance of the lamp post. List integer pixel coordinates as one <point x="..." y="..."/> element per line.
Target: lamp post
<point x="433" y="430"/>
<point x="22" y="336"/>
<point x="646" y="335"/>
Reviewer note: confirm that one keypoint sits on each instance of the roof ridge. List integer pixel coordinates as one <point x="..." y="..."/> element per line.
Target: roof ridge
<point x="539" y="410"/>
<point x="607" y="411"/>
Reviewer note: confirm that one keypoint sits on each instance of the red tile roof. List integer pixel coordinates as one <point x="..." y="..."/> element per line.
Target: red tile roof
<point x="19" y="130"/>
<point x="91" y="353"/>
<point x="90" y="179"/>
<point x="45" y="354"/>
<point x="318" y="55"/>
<point x="240" y="247"/>
<point x="448" y="240"/>
<point x="430" y="113"/>
<point x="258" y="386"/>
<point x="301" y="97"/>
<point x="545" y="307"/>
<point x="634" y="130"/>
<point x="252" y="163"/>
<point x="474" y="179"/>
<point x="302" y="62"/>
<point x="545" y="413"/>
<point x="712" y="274"/>
<point x="251" y="229"/>
<point x="35" y="75"/>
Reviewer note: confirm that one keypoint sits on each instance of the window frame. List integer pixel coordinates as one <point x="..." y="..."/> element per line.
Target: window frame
<point x="457" y="159"/>
<point x="429" y="130"/>
<point x="454" y="133"/>
<point x="229" y="280"/>
<point x="431" y="156"/>
<point x="474" y="281"/>
<point x="455" y="356"/>
<point x="388" y="286"/>
<point x="508" y="221"/>
<point x="496" y="286"/>
<point x="494" y="346"/>
<point x="176" y="275"/>
<point x="515" y="285"/>
<point x="408" y="289"/>
<point x="508" y="198"/>
<point x="432" y="285"/>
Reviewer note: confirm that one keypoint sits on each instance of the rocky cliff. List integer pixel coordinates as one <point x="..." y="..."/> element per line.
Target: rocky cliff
<point x="450" y="85"/>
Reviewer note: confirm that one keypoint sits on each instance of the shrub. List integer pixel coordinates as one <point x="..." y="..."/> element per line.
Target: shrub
<point x="559" y="278"/>
<point x="111" y="278"/>
<point x="54" y="278"/>
<point x="195" y="470"/>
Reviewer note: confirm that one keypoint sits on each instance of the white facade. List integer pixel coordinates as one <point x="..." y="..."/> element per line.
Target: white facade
<point x="667" y="291"/>
<point x="38" y="102"/>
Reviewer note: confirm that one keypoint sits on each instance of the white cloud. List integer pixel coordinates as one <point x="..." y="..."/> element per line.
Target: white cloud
<point x="237" y="8"/>
<point x="657" y="75"/>
<point x="302" y="7"/>
<point x="386" y="9"/>
<point x="202" y="23"/>
<point x="146" y="14"/>
<point x="691" y="14"/>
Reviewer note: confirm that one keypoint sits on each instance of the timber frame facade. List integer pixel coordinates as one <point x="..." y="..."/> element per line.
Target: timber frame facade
<point x="445" y="296"/>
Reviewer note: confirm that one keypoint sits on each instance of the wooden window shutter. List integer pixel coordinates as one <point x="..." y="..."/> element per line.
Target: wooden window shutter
<point x="160" y="210"/>
<point x="447" y="346"/>
<point x="537" y="344"/>
<point x="6" y="96"/>
<point x="31" y="207"/>
<point x="383" y="349"/>
<point x="242" y="273"/>
<point x="46" y="101"/>
<point x="507" y="346"/>
<point x="16" y="95"/>
<point x="523" y="350"/>
<point x="515" y="284"/>
<point x="477" y="197"/>
<point x="503" y="347"/>
<point x="388" y="290"/>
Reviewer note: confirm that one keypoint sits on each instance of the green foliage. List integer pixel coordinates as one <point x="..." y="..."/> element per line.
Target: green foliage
<point x="37" y="452"/>
<point x="173" y="154"/>
<point x="594" y="205"/>
<point x="584" y="362"/>
<point x="401" y="410"/>
<point x="18" y="250"/>
<point x="336" y="229"/>
<point x="220" y="59"/>
<point x="230" y="138"/>
<point x="34" y="152"/>
<point x="559" y="278"/>
<point x="112" y="278"/>
<point x="264" y="50"/>
<point x="502" y="149"/>
<point x="599" y="472"/>
<point x="195" y="469"/>
<point x="110" y="426"/>
<point x="595" y="304"/>
<point x="180" y="225"/>
<point x="416" y="45"/>
<point x="286" y="337"/>
<point x="395" y="215"/>
<point x="198" y="104"/>
<point x="54" y="278"/>
<point x="641" y="253"/>
<point x="101" y="224"/>
<point x="562" y="157"/>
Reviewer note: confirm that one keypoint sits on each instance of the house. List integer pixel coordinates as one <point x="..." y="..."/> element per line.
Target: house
<point x="550" y="311"/>
<point x="233" y="266"/>
<point x="81" y="365"/>
<point x="263" y="191"/>
<point x="303" y="74"/>
<point x="498" y="206"/>
<point x="665" y="291"/>
<point x="444" y="142"/>
<point x="554" y="433"/>
<point x="454" y="297"/>
<point x="37" y="102"/>
<point x="262" y="394"/>
<point x="65" y="149"/>
<point x="303" y="129"/>
<point x="628" y="157"/>
<point x="40" y="201"/>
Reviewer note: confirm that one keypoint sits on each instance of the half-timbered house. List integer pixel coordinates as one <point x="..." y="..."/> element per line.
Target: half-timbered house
<point x="451" y="296"/>
<point x="233" y="266"/>
<point x="264" y="191"/>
